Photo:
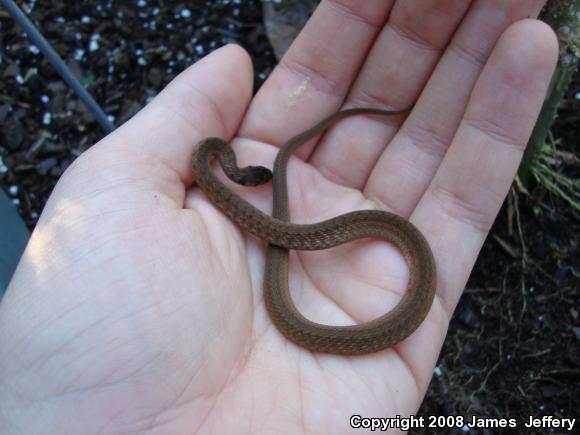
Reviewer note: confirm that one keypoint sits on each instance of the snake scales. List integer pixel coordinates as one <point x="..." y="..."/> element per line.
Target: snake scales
<point x="282" y="235"/>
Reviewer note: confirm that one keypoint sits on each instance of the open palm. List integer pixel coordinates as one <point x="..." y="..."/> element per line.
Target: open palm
<point x="137" y="306"/>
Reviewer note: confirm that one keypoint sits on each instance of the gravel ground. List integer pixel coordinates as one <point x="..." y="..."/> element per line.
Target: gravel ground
<point x="513" y="345"/>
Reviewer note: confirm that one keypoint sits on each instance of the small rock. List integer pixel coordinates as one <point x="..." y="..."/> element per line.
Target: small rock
<point x="12" y="133"/>
<point x="12" y="70"/>
<point x="4" y="111"/>
<point x="155" y="76"/>
<point x="44" y="166"/>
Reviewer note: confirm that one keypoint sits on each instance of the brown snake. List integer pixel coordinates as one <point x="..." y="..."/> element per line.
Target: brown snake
<point x="282" y="235"/>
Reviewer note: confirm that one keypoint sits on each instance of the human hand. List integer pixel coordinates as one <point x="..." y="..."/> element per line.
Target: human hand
<point x="137" y="305"/>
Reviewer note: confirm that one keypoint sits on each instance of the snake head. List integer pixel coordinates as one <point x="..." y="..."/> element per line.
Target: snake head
<point x="254" y="176"/>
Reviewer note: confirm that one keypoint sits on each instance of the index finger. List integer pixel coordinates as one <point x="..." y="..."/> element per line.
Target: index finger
<point x="317" y="71"/>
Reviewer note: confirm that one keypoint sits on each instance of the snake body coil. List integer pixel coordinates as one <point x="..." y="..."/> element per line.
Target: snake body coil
<point x="282" y="235"/>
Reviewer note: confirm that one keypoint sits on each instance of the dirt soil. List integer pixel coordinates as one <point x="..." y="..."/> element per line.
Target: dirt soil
<point x="513" y="348"/>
